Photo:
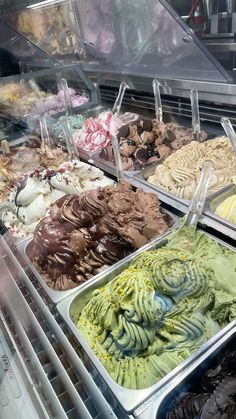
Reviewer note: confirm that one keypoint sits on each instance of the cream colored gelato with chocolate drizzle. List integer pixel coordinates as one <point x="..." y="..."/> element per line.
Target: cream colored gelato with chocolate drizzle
<point x="35" y="192"/>
<point x="180" y="172"/>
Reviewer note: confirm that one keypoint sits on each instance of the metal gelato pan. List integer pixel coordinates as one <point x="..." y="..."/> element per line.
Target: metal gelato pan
<point x="157" y="406"/>
<point x="213" y="202"/>
<point x="55" y="296"/>
<point x="68" y="308"/>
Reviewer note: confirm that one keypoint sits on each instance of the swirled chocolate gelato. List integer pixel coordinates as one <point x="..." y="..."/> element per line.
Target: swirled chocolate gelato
<point x="145" y="142"/>
<point x="82" y="235"/>
<point x="212" y="395"/>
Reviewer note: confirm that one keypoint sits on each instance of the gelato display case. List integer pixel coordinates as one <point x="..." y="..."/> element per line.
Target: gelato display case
<point x="117" y="245"/>
<point x="53" y="92"/>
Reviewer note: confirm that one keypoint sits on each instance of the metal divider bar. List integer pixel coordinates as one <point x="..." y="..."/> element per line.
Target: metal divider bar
<point x="33" y="388"/>
<point x="78" y="403"/>
<point x="51" y="395"/>
<point x="93" y="390"/>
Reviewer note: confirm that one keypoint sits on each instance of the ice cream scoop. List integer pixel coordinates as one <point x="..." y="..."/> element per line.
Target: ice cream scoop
<point x="212" y="394"/>
<point x="56" y="103"/>
<point x="96" y="133"/>
<point x="23" y="159"/>
<point x="56" y="131"/>
<point x="165" y="305"/>
<point x="227" y="209"/>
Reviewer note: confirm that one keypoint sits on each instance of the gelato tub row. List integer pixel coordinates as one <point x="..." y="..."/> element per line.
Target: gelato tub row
<point x="144" y="142"/>
<point x="157" y="311"/>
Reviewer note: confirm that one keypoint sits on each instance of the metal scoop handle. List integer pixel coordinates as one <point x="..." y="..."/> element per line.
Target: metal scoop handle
<point x="198" y="201"/>
<point x="157" y="97"/>
<point x="118" y="161"/>
<point x="119" y="99"/>
<point x="229" y="131"/>
<point x="71" y="148"/>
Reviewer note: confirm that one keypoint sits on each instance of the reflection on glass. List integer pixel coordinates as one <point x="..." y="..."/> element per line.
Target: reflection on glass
<point x="97" y="19"/>
<point x="51" y="28"/>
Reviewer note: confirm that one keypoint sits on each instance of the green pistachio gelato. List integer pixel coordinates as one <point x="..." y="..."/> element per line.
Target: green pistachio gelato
<point x="169" y="301"/>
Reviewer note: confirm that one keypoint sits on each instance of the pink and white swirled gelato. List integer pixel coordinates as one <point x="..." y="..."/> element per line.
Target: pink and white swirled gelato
<point x="96" y="133"/>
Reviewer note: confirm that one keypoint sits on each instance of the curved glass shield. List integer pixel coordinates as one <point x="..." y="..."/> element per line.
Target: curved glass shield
<point x="144" y="38"/>
<point x="15" y="48"/>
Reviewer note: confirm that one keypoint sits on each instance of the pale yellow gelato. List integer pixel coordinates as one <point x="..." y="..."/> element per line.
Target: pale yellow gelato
<point x="227" y="209"/>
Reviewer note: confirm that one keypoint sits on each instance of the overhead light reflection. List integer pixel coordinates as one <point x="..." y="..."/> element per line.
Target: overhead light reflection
<point x="44" y="3"/>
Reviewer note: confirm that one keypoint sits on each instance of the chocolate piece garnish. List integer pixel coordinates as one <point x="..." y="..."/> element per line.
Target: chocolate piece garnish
<point x="170" y="135"/>
<point x="124" y="131"/>
<point x="147" y="125"/>
<point x="141" y="154"/>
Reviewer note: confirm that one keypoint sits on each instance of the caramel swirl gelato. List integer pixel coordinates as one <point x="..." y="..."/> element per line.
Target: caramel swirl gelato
<point x="180" y="172"/>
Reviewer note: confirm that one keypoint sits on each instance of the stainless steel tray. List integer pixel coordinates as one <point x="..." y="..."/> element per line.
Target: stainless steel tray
<point x="212" y="203"/>
<point x="129" y="399"/>
<point x="102" y="164"/>
<point x="56" y="296"/>
<point x="155" y="406"/>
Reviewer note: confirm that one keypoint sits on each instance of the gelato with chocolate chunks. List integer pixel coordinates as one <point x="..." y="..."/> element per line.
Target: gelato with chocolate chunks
<point x="145" y="142"/>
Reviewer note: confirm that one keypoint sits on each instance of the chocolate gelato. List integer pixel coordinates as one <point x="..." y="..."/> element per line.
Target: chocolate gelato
<point x="145" y="141"/>
<point x="212" y="395"/>
<point x="81" y="235"/>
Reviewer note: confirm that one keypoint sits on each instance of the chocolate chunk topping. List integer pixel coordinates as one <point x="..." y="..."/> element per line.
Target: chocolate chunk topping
<point x="147" y="125"/>
<point x="142" y="154"/>
<point x="170" y="135"/>
<point x="124" y="131"/>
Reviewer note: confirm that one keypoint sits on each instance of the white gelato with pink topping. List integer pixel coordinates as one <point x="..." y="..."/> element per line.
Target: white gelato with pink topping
<point x="96" y="133"/>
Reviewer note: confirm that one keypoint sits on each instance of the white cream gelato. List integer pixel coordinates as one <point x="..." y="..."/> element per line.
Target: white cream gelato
<point x="27" y="203"/>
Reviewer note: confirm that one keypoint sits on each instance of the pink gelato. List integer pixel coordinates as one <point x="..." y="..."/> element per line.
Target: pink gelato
<point x="56" y="103"/>
<point x="96" y="133"/>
